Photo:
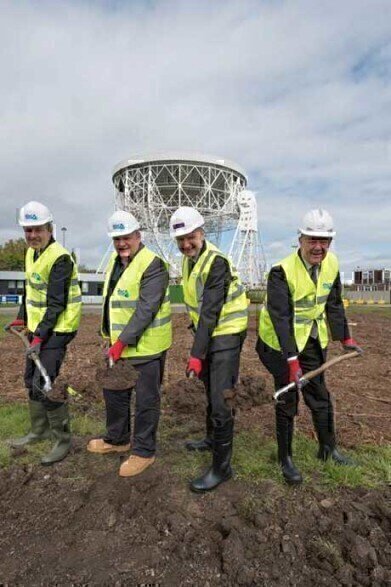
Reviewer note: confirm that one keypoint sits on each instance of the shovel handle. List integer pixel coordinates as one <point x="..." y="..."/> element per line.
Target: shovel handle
<point x="311" y="374"/>
<point x="47" y="383"/>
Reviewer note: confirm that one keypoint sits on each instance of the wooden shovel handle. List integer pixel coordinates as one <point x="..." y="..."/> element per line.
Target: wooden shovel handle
<point x="311" y="374"/>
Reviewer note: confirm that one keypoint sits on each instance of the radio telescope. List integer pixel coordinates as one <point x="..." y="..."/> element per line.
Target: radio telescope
<point x="246" y="250"/>
<point x="153" y="187"/>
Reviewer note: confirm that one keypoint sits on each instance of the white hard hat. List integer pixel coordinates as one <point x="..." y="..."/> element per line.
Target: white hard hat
<point x="34" y="214"/>
<point x="121" y="223"/>
<point x="184" y="221"/>
<point x="317" y="223"/>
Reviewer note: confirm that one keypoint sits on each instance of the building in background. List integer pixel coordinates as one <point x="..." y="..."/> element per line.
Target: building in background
<point x="12" y="286"/>
<point x="371" y="279"/>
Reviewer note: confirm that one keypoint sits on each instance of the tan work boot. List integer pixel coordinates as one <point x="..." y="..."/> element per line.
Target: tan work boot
<point x="99" y="446"/>
<point x="135" y="465"/>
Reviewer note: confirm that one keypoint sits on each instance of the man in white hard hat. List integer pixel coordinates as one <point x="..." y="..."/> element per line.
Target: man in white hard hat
<point x="303" y="301"/>
<point x="51" y="311"/>
<point x="218" y="308"/>
<point x="136" y="321"/>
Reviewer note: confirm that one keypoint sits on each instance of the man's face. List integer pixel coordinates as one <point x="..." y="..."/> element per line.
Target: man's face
<point x="314" y="249"/>
<point x="127" y="245"/>
<point x="37" y="237"/>
<point x="191" y="244"/>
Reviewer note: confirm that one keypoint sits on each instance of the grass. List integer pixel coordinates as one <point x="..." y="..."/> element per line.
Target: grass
<point x="325" y="549"/>
<point x="4" y="319"/>
<point x="356" y="309"/>
<point x="15" y="422"/>
<point x="255" y="460"/>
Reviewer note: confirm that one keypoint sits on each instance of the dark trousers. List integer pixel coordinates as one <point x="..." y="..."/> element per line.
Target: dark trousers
<point x="219" y="375"/>
<point x="52" y="356"/>
<point x="315" y="393"/>
<point x="147" y="411"/>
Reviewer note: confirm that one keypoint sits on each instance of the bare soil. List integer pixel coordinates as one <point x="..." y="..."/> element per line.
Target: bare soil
<point x="78" y="523"/>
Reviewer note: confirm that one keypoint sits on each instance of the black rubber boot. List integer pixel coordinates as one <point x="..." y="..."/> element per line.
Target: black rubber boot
<point x="40" y="429"/>
<point x="327" y="452"/>
<point x="291" y="474"/>
<point x="61" y="432"/>
<point x="200" y="445"/>
<point x="220" y="470"/>
<point x="324" y="425"/>
<point x="207" y="442"/>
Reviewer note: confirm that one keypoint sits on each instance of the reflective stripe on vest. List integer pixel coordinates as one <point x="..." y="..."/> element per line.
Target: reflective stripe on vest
<point x="37" y="280"/>
<point x="309" y="301"/>
<point x="234" y="314"/>
<point x="123" y="303"/>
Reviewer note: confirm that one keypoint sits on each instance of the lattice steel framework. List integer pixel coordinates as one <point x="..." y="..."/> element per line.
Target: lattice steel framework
<point x="153" y="188"/>
<point x="246" y="249"/>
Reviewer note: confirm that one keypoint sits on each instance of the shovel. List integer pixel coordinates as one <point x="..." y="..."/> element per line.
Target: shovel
<point x="47" y="387"/>
<point x="311" y="374"/>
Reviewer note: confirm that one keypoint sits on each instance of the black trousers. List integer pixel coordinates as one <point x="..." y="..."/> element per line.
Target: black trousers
<point x="220" y="374"/>
<point x="315" y="393"/>
<point x="52" y="355"/>
<point x="147" y="411"/>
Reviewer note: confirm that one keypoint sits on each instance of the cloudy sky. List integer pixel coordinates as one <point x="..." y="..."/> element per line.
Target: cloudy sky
<point x="296" y="92"/>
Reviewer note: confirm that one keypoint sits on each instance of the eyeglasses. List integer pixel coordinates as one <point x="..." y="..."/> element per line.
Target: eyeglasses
<point x="31" y="229"/>
<point x="324" y="241"/>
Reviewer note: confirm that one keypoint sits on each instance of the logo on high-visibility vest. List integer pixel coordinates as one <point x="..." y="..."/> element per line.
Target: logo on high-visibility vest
<point x="327" y="285"/>
<point x="36" y="276"/>
<point x="123" y="292"/>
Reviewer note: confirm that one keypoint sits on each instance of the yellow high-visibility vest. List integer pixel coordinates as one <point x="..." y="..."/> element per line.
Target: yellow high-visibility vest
<point x="37" y="279"/>
<point x="122" y="305"/>
<point x="309" y="301"/>
<point x="233" y="318"/>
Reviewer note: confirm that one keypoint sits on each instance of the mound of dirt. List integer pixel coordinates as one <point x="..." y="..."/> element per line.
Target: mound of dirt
<point x="186" y="396"/>
<point x="81" y="524"/>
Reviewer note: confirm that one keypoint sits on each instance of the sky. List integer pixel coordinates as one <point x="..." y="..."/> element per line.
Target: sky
<point x="296" y="92"/>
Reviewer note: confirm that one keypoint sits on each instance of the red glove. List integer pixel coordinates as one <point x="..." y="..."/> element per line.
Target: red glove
<point x="295" y="371"/>
<point x="115" y="351"/>
<point x="35" y="346"/>
<point x="15" y="324"/>
<point x="193" y="365"/>
<point x="349" y="344"/>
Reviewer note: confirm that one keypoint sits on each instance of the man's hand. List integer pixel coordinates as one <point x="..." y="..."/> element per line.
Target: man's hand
<point x="295" y="371"/>
<point x="35" y="347"/>
<point x="115" y="351"/>
<point x="194" y="365"/>
<point x="349" y="344"/>
<point x="19" y="324"/>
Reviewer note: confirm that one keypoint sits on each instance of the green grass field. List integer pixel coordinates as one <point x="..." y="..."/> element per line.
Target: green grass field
<point x="364" y="310"/>
<point x="254" y="456"/>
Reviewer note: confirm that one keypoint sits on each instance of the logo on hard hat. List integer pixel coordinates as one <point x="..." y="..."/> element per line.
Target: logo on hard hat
<point x="179" y="225"/>
<point x="30" y="216"/>
<point x="119" y="226"/>
<point x="123" y="292"/>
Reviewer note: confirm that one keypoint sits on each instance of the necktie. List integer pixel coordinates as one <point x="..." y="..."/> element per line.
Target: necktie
<point x="314" y="277"/>
<point x="314" y="273"/>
